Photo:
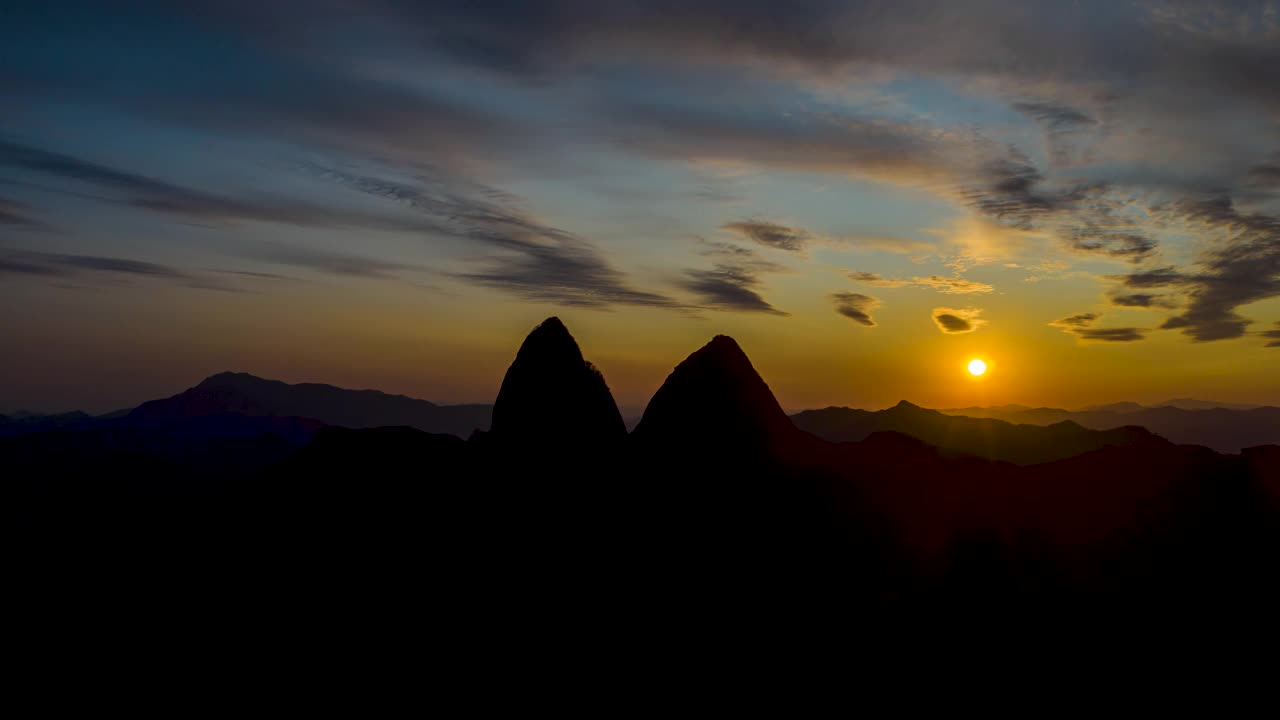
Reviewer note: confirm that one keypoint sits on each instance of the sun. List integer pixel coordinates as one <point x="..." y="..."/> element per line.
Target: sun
<point x="977" y="367"/>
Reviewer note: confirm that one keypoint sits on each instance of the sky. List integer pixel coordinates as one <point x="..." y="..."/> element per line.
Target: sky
<point x="866" y="195"/>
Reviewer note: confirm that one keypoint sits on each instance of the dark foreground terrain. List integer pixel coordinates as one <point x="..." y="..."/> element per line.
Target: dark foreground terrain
<point x="716" y="517"/>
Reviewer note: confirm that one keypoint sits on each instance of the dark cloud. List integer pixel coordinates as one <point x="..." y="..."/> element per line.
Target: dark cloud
<point x="172" y="199"/>
<point x="334" y="263"/>
<point x="1054" y="116"/>
<point x="1076" y="321"/>
<point x="1273" y="336"/>
<point x="1154" y="278"/>
<point x="1128" y="246"/>
<point x="1126" y="334"/>
<point x="856" y="306"/>
<point x="42" y="263"/>
<point x="62" y="265"/>
<point x="528" y="258"/>
<point x="1081" y="326"/>
<point x="956" y="321"/>
<point x="732" y="284"/>
<point x="1242" y="267"/>
<point x="15" y="213"/>
<point x="569" y="273"/>
<point x="870" y="278"/>
<point x="770" y="234"/>
<point x="1143" y="300"/>
<point x="534" y="260"/>
<point x="728" y="288"/>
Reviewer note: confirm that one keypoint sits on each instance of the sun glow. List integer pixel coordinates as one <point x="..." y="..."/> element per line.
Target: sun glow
<point x="977" y="367"/>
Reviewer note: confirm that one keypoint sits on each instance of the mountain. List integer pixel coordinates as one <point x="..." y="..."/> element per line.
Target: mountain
<point x="718" y="518"/>
<point x="22" y="423"/>
<point x="1223" y="429"/>
<point x="1120" y="407"/>
<point x="714" y="397"/>
<point x="1190" y="404"/>
<point x="980" y="437"/>
<point x="552" y="393"/>
<point x="246" y="394"/>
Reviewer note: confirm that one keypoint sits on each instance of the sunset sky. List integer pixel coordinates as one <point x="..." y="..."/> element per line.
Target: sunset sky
<point x="866" y="195"/>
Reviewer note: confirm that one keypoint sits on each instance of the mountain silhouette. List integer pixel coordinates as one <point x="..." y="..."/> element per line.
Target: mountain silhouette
<point x="550" y="393"/>
<point x="1228" y="430"/>
<point x="715" y="396"/>
<point x="981" y="437"/>
<point x="245" y="394"/>
<point x="718" y="514"/>
<point x="22" y="423"/>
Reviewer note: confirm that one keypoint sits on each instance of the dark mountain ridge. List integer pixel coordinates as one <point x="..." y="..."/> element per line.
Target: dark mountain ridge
<point x="981" y="437"/>
<point x="717" y="516"/>
<point x="1227" y="430"/>
<point x="244" y="394"/>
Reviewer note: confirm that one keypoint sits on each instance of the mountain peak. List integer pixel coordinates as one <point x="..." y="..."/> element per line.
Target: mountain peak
<point x="230" y="378"/>
<point x="551" y="392"/>
<point x="715" y="394"/>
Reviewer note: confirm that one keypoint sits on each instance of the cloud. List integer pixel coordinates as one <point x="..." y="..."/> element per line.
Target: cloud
<point x="728" y="288"/>
<point x="1054" y="116"/>
<point x="881" y="243"/>
<point x="952" y="321"/>
<point x="1155" y="278"/>
<point x="42" y="263"/>
<point x="1081" y="326"/>
<point x="171" y="199"/>
<point x="1273" y="336"/>
<point x="15" y="214"/>
<point x="62" y="265"/>
<point x="1241" y="268"/>
<point x="1126" y="334"/>
<point x="1076" y="321"/>
<point x="1137" y="300"/>
<point x="856" y="307"/>
<point x="870" y="278"/>
<point x="335" y="263"/>
<point x="1127" y="246"/>
<point x="952" y="286"/>
<point x="770" y="234"/>
<point x="949" y="286"/>
<point x="527" y="257"/>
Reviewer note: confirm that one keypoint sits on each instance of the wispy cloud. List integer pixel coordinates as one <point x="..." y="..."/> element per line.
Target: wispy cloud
<point x="770" y="234"/>
<point x="1081" y="326"/>
<point x="856" y="307"/>
<point x="61" y="265"/>
<point x="734" y="282"/>
<point x="945" y="285"/>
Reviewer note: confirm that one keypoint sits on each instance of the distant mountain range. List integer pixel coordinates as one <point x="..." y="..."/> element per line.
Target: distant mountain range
<point x="248" y="395"/>
<point x="717" y="508"/>
<point x="1191" y="422"/>
<point x="981" y="437"/>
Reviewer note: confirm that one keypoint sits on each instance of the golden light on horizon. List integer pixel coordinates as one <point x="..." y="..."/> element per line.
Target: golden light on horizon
<point x="977" y="367"/>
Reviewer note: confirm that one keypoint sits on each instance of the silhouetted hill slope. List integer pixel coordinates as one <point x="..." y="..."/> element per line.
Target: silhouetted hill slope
<point x="550" y="393"/>
<point x="719" y="515"/>
<point x="23" y="423"/>
<point x="249" y="395"/>
<point x="715" y="396"/>
<point x="1193" y="404"/>
<point x="1223" y="429"/>
<point x="981" y="437"/>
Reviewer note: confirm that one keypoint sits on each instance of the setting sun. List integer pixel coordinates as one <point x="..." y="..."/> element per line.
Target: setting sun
<point x="977" y="368"/>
